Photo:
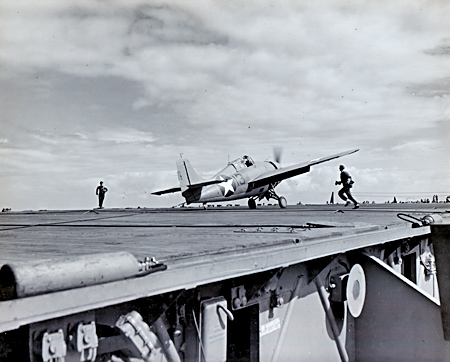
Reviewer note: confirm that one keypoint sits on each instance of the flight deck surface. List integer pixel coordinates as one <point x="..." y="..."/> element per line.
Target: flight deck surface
<point x="169" y="234"/>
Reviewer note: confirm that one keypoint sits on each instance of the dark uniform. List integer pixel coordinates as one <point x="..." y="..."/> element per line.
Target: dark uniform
<point x="346" y="182"/>
<point x="101" y="191"/>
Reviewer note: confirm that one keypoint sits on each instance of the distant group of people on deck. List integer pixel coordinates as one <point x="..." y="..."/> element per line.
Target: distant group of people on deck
<point x="435" y="199"/>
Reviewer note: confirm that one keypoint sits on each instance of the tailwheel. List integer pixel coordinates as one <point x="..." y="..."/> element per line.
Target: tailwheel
<point x="282" y="202"/>
<point x="251" y="204"/>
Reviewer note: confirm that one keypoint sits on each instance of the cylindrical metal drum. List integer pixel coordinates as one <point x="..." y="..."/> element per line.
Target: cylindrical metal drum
<point x="18" y="280"/>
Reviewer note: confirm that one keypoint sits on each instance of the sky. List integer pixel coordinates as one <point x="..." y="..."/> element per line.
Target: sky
<point x="116" y="90"/>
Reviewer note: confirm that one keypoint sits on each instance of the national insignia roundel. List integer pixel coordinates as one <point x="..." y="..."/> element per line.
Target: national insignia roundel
<point x="228" y="187"/>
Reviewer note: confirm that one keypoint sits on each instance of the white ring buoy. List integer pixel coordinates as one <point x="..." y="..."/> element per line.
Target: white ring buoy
<point x="356" y="290"/>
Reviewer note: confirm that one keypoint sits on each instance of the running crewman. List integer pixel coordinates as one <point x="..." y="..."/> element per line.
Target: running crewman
<point x="347" y="184"/>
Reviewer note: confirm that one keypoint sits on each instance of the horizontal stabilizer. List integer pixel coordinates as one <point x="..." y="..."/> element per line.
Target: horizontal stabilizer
<point x="188" y="178"/>
<point x="168" y="191"/>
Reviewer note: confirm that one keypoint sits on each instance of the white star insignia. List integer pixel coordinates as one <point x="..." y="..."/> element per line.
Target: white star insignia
<point x="228" y="188"/>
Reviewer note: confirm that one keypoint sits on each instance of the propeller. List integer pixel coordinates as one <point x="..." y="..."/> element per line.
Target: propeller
<point x="277" y="153"/>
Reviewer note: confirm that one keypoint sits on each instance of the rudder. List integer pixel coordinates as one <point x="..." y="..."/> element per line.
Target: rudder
<point x="186" y="174"/>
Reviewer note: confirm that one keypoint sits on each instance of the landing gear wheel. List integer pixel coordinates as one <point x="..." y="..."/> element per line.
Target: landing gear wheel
<point x="251" y="204"/>
<point x="282" y="202"/>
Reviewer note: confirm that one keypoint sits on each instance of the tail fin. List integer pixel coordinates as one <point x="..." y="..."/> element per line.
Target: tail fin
<point x="186" y="174"/>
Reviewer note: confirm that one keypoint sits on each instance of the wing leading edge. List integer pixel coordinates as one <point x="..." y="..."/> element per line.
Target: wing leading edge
<point x="294" y="170"/>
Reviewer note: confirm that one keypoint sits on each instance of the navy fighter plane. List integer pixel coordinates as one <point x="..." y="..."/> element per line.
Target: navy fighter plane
<point x="240" y="179"/>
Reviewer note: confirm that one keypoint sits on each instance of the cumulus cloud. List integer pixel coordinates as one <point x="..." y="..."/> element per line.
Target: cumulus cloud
<point x="125" y="135"/>
<point x="104" y="80"/>
<point x="410" y="146"/>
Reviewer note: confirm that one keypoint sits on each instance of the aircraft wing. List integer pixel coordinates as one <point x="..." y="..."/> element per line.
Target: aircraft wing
<point x="294" y="170"/>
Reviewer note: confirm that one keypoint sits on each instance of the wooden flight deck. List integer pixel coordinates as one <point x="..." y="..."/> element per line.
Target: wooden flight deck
<point x="169" y="234"/>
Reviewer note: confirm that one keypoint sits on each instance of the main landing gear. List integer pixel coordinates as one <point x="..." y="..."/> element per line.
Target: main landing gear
<point x="270" y="194"/>
<point x="282" y="202"/>
<point x="251" y="203"/>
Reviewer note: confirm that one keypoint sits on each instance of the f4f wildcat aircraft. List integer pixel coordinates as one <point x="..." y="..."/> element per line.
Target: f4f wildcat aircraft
<point x="240" y="179"/>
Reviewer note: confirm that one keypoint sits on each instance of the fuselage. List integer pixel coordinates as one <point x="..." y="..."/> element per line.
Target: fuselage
<point x="236" y="177"/>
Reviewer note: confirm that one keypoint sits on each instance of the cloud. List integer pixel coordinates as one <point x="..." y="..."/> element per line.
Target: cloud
<point x="97" y="88"/>
<point x="411" y="146"/>
<point x="439" y="50"/>
<point x="140" y="103"/>
<point x="125" y="135"/>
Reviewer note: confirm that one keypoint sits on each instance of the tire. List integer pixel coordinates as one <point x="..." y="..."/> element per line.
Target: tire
<point x="251" y="204"/>
<point x="282" y="202"/>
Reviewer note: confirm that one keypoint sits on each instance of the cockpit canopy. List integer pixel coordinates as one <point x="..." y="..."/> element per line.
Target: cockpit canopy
<point x="248" y="161"/>
<point x="241" y="162"/>
<point x="237" y="165"/>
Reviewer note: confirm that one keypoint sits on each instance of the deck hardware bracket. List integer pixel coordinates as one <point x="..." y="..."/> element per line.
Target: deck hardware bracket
<point x="432" y="219"/>
<point x="424" y="221"/>
<point x="226" y="311"/>
<point x="238" y="297"/>
<point x="310" y="225"/>
<point x="275" y="230"/>
<point x="138" y="334"/>
<point x="338" y="288"/>
<point x="276" y="300"/>
<point x="429" y="263"/>
<point x="87" y="341"/>
<point x="150" y="265"/>
<point x="54" y="347"/>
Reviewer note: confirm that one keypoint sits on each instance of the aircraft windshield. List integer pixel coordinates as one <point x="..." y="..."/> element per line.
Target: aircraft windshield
<point x="236" y="165"/>
<point x="248" y="161"/>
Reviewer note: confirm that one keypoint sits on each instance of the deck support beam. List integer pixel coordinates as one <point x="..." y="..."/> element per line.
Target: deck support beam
<point x="440" y="237"/>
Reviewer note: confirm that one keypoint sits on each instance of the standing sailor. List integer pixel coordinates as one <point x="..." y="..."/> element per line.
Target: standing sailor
<point x="101" y="191"/>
